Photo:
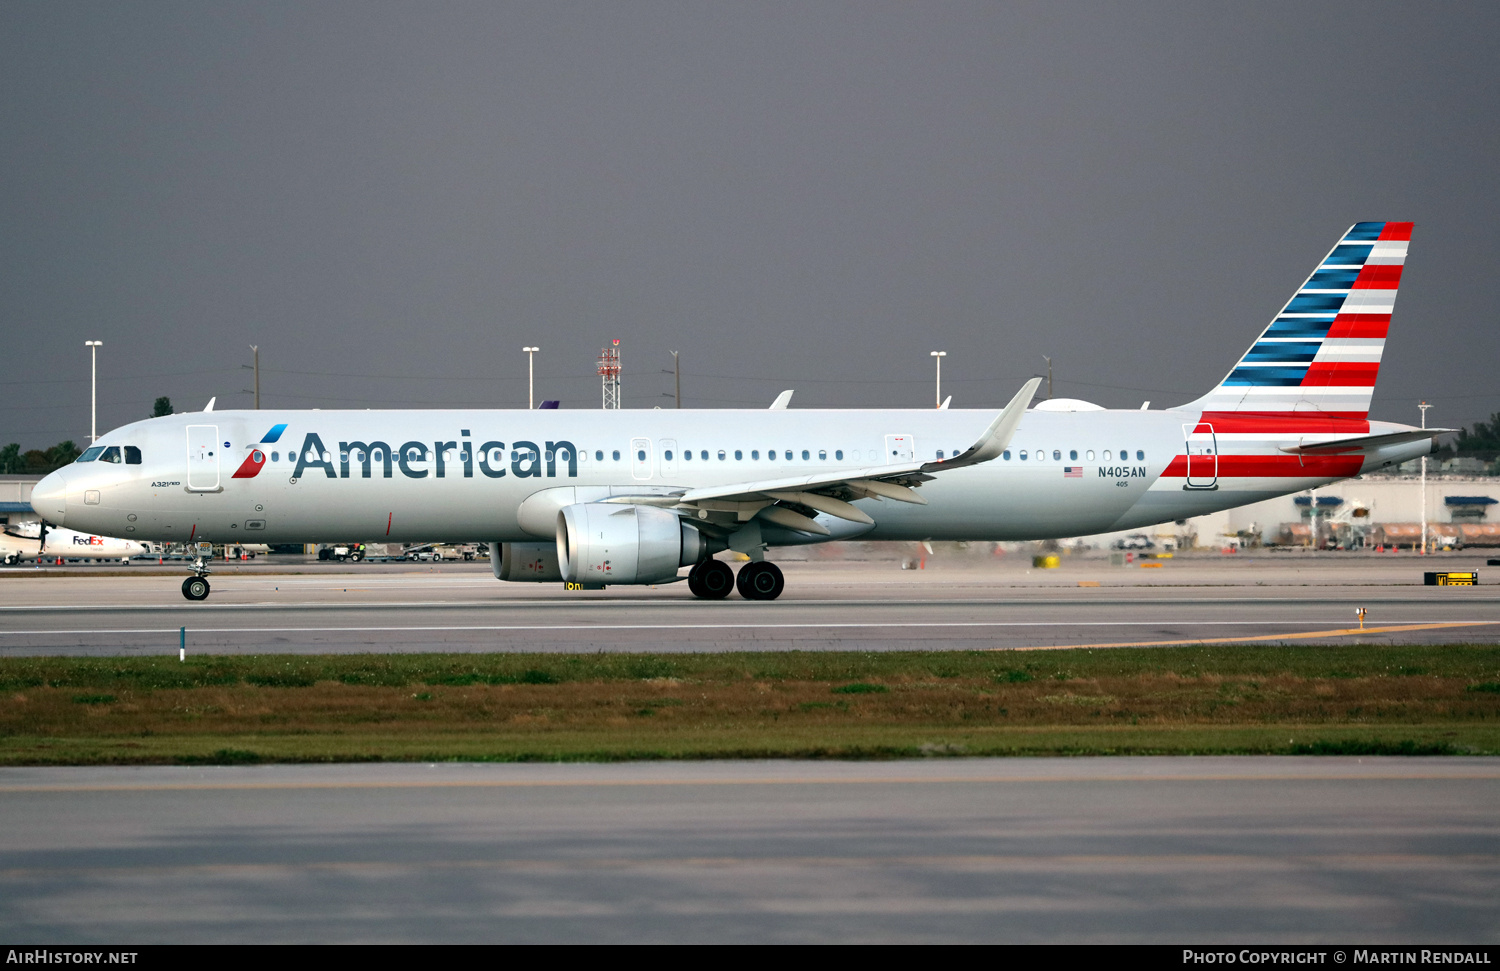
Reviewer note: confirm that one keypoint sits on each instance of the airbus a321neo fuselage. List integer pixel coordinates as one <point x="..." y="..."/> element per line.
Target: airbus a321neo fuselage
<point x="630" y="497"/>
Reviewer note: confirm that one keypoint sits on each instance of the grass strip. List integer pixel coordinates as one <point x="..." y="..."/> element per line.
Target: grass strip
<point x="1344" y="699"/>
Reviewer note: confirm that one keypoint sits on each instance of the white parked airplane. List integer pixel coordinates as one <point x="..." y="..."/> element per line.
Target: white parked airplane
<point x="629" y="497"/>
<point x="27" y="541"/>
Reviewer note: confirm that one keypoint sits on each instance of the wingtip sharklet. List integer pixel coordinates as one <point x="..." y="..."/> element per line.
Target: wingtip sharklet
<point x="997" y="437"/>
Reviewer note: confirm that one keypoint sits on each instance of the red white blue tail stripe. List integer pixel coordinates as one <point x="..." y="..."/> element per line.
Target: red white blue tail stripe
<point x="1321" y="354"/>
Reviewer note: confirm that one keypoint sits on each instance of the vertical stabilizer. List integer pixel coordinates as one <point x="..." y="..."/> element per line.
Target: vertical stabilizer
<point x="1321" y="354"/>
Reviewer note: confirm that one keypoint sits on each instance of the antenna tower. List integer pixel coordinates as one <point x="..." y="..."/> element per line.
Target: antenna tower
<point x="609" y="374"/>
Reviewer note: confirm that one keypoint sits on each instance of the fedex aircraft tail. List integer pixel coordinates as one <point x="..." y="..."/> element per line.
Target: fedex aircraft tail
<point x="1321" y="354"/>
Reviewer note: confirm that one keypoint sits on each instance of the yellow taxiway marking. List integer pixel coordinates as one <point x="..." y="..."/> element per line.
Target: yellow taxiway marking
<point x="1345" y="632"/>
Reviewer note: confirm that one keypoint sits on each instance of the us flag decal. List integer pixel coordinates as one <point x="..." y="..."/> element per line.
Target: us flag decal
<point x="1072" y="471"/>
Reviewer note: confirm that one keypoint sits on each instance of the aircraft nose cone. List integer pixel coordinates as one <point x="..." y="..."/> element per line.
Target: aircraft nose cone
<point x="50" y="497"/>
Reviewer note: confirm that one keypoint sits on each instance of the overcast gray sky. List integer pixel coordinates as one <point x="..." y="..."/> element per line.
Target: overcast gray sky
<point x="392" y="199"/>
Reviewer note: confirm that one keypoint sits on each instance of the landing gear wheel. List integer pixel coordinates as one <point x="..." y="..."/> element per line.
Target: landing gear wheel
<point x="760" y="581"/>
<point x="711" y="580"/>
<point x="195" y="588"/>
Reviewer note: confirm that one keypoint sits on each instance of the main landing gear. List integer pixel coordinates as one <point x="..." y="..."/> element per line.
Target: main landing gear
<point x="195" y="587"/>
<point x="712" y="580"/>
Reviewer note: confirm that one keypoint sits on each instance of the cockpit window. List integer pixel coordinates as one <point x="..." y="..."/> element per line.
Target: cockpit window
<point x="132" y="455"/>
<point x="90" y="454"/>
<point x="112" y="454"/>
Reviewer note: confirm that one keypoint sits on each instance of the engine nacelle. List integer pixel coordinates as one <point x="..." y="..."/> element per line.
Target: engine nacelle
<point x="534" y="562"/>
<point x="598" y="542"/>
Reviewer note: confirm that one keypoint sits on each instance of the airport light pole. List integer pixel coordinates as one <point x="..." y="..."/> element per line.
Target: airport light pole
<point x="93" y="347"/>
<point x="938" y="356"/>
<point x="677" y="378"/>
<point x="531" y="375"/>
<point x="1424" y="406"/>
<point x="256" y="368"/>
<point x="1049" y="376"/>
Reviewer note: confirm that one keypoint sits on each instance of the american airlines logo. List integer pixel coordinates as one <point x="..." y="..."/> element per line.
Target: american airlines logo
<point x="420" y="460"/>
<point x="253" y="463"/>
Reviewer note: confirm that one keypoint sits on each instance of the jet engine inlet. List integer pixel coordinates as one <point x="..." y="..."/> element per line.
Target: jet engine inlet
<point x="604" y="543"/>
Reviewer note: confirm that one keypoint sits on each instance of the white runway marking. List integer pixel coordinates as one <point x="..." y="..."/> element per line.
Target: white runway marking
<point x="720" y="627"/>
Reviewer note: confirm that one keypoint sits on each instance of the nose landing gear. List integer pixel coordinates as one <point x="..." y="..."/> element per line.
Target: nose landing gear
<point x="195" y="587"/>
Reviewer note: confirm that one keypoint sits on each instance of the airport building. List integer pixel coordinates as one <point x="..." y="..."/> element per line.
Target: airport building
<point x="15" y="498"/>
<point x="1366" y="512"/>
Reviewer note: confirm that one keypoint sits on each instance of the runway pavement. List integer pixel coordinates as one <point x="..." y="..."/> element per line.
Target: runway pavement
<point x="1186" y="850"/>
<point x="827" y="606"/>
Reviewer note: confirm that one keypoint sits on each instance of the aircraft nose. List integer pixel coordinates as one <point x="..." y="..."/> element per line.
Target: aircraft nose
<point x="50" y="497"/>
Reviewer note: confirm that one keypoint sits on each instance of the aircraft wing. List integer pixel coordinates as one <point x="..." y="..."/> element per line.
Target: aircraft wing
<point x="1365" y="443"/>
<point x="831" y="492"/>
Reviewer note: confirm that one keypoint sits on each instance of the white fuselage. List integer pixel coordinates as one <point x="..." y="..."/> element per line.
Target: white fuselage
<point x="331" y="475"/>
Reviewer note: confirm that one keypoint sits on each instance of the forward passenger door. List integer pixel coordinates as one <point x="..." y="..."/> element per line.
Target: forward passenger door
<point x="203" y="458"/>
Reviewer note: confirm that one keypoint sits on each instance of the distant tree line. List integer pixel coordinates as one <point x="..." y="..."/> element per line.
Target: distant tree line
<point x="1482" y="442"/>
<point x="38" y="461"/>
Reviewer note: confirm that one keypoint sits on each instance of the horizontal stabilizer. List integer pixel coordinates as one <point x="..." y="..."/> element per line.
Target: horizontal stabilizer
<point x="1365" y="443"/>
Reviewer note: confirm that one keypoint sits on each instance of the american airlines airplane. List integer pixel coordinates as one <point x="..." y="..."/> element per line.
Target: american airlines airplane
<point x="630" y="497"/>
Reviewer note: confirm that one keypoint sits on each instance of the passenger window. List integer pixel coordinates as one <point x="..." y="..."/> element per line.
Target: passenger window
<point x="599" y="455"/>
<point x="805" y="455"/>
<point x="687" y="454"/>
<point x="1073" y="454"/>
<point x="789" y="455"/>
<point x="1023" y="455"/>
<point x="939" y="453"/>
<point x="1106" y="455"/>
<point x="721" y="455"/>
<point x="738" y="455"/>
<point x="640" y="456"/>
<point x="111" y="454"/>
<point x="704" y="455"/>
<point x="90" y="454"/>
<point x="1005" y="455"/>
<point x="617" y="455"/>
<point x="132" y="455"/>
<point x="754" y="453"/>
<point x="839" y="455"/>
<point x="1140" y="455"/>
<point x="1089" y="455"/>
<point x="822" y="455"/>
<point x="666" y="455"/>
<point x="1057" y="455"/>
<point x="275" y="456"/>
<point x="1124" y="455"/>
